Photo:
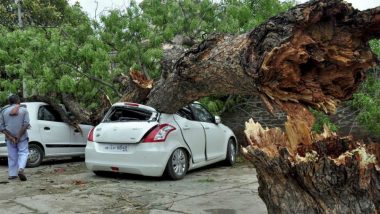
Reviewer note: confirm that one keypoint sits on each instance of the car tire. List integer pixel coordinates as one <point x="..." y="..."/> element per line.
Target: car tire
<point x="77" y="158"/>
<point x="36" y="155"/>
<point x="178" y="164"/>
<point x="103" y="173"/>
<point x="231" y="153"/>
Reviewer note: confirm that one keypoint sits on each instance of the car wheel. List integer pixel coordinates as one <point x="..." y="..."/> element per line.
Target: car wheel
<point x="231" y="153"/>
<point x="102" y="173"/>
<point x="77" y="158"/>
<point x="36" y="155"/>
<point x="178" y="164"/>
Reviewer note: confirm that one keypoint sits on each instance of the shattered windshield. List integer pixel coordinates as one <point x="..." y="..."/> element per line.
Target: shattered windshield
<point x="126" y="114"/>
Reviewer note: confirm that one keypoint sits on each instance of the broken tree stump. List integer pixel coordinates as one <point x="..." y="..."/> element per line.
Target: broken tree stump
<point x="318" y="173"/>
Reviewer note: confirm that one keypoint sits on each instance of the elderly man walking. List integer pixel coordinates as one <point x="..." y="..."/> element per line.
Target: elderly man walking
<point x="14" y="121"/>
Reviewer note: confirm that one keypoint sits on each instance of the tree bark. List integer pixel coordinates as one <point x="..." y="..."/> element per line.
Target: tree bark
<point x="316" y="54"/>
<point x="54" y="104"/>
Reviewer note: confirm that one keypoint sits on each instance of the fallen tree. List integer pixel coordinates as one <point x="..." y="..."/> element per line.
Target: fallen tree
<point x="316" y="54"/>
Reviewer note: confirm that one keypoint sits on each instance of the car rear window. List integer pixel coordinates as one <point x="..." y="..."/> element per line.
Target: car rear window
<point x="125" y="114"/>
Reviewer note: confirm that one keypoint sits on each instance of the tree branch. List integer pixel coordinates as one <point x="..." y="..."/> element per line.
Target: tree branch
<point x="93" y="78"/>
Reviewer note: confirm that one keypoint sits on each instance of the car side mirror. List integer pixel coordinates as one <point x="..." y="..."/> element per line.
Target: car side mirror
<point x="217" y="120"/>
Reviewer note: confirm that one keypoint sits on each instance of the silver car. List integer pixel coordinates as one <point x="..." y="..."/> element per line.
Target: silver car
<point x="49" y="136"/>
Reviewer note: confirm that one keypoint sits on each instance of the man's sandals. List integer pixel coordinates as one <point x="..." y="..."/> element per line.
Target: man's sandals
<point x="21" y="175"/>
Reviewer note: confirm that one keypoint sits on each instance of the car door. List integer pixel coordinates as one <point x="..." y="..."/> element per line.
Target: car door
<point x="79" y="137"/>
<point x="215" y="135"/>
<point x="193" y="134"/>
<point x="55" y="134"/>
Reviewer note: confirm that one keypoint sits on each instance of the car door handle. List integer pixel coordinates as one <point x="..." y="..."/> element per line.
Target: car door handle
<point x="76" y="130"/>
<point x="46" y="128"/>
<point x="186" y="128"/>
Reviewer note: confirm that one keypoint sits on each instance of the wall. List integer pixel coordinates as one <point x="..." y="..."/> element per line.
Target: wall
<point x="253" y="108"/>
<point x="345" y="119"/>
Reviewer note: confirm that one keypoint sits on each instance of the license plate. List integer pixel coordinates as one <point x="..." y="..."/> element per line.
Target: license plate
<point x="116" y="147"/>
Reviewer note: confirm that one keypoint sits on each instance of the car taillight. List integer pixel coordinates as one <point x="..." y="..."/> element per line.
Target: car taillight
<point x="159" y="134"/>
<point x="131" y="104"/>
<point x="90" y="136"/>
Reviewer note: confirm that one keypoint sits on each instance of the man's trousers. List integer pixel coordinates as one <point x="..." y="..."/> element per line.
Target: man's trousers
<point x="17" y="156"/>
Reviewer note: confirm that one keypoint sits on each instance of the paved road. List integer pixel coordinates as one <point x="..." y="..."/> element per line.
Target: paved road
<point x="68" y="187"/>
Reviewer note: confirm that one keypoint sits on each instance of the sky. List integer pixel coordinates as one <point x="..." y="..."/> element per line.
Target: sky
<point x="102" y="6"/>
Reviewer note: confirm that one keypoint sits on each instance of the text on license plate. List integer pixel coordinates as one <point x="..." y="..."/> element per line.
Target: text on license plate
<point x="116" y="147"/>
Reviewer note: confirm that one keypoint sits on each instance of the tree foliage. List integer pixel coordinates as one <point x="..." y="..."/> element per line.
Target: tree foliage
<point x="41" y="13"/>
<point x="321" y="120"/>
<point x="60" y="50"/>
<point x="52" y="60"/>
<point x="367" y="99"/>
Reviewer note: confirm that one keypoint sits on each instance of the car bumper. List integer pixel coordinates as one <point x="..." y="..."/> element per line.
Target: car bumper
<point x="3" y="146"/>
<point x="3" y="150"/>
<point x="148" y="159"/>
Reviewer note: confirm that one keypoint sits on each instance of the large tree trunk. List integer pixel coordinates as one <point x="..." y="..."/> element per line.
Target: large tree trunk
<point x="316" y="54"/>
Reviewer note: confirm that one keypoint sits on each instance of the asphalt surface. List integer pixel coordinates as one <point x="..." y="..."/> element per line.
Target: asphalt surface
<point x="66" y="186"/>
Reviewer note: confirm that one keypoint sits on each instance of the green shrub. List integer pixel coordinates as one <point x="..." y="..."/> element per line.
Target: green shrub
<point x="320" y="119"/>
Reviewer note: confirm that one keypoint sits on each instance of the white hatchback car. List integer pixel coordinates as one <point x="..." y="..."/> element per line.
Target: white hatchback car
<point x="49" y="136"/>
<point x="136" y="139"/>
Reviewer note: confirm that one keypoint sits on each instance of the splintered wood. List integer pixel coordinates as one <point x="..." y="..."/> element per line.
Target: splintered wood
<point x="326" y="172"/>
<point x="299" y="140"/>
<point x="297" y="132"/>
<point x="138" y="86"/>
<point x="320" y="66"/>
<point x="140" y="79"/>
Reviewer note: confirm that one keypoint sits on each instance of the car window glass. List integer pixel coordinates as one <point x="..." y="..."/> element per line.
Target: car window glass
<point x="48" y="113"/>
<point x="201" y="114"/>
<point x="185" y="112"/>
<point x="127" y="114"/>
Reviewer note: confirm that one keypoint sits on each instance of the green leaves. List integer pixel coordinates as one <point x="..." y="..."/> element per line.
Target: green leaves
<point x="322" y="119"/>
<point x="152" y="55"/>
<point x="49" y="61"/>
<point x="66" y="84"/>
<point x="213" y="105"/>
<point x="375" y="46"/>
<point x="367" y="99"/>
<point x="41" y="13"/>
<point x="60" y="50"/>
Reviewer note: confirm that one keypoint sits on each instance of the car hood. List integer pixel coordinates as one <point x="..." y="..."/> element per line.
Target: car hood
<point x="122" y="132"/>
